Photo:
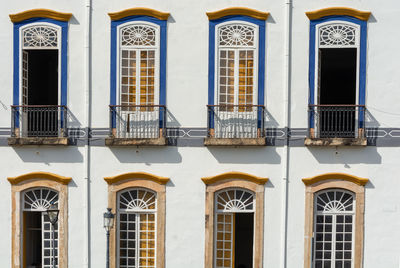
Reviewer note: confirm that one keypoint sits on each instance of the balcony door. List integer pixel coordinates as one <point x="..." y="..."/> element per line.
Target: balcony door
<point x="235" y="115"/>
<point x="337" y="82"/>
<point x="40" y="81"/>
<point x="138" y="114"/>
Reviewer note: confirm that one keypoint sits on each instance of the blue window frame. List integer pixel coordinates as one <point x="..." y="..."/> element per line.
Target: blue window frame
<point x="259" y="60"/>
<point x="213" y="26"/>
<point x="18" y="46"/>
<point x="114" y="79"/>
<point x="63" y="25"/>
<point x="360" y="42"/>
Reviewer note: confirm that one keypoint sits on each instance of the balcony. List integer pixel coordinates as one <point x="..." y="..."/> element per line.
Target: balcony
<point x="38" y="125"/>
<point x="136" y="125"/>
<point x="336" y="125"/>
<point x="235" y="125"/>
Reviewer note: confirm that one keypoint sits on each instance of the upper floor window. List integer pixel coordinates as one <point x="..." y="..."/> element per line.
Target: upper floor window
<point x="40" y="73"/>
<point x="236" y="73"/>
<point x="337" y="77"/>
<point x="138" y="74"/>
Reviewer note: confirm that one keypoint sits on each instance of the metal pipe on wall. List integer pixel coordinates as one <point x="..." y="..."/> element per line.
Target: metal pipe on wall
<point x="286" y="112"/>
<point x="87" y="85"/>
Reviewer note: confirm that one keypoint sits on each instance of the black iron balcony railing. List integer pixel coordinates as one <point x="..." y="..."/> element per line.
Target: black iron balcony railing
<point x="137" y="121"/>
<point x="39" y="120"/>
<point x="236" y="121"/>
<point x="337" y="121"/>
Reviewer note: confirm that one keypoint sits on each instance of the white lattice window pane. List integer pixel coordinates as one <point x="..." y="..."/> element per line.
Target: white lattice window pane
<point x="236" y="200"/>
<point x="47" y="242"/>
<point x="333" y="229"/>
<point x="128" y="77"/>
<point x="147" y="77"/>
<point x="227" y="77"/>
<point x="246" y="79"/>
<point x="137" y="200"/>
<point x="39" y="199"/>
<point x="138" y="35"/>
<point x="224" y="240"/>
<point x="337" y="34"/>
<point x="40" y="36"/>
<point x="127" y="240"/>
<point x="236" y="35"/>
<point x="147" y="242"/>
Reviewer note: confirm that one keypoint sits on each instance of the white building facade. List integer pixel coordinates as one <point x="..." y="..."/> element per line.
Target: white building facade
<point x="220" y="134"/>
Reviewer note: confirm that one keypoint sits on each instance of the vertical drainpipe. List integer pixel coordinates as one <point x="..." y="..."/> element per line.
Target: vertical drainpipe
<point x="87" y="86"/>
<point x="286" y="112"/>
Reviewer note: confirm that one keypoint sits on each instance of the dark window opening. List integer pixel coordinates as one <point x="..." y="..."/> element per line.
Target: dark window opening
<point x="42" y="77"/>
<point x="42" y="89"/>
<point x="337" y="92"/>
<point x="244" y="232"/>
<point x="32" y="239"/>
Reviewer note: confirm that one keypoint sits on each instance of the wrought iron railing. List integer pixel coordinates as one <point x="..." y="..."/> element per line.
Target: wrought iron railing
<point x="337" y="121"/>
<point x="137" y="121"/>
<point x="39" y="120"/>
<point x="236" y="121"/>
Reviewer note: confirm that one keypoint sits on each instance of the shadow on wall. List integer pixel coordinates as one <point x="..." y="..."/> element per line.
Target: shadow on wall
<point x="47" y="155"/>
<point x="339" y="155"/>
<point x="246" y="155"/>
<point x="147" y="155"/>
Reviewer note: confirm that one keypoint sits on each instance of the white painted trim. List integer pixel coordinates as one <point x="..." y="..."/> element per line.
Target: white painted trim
<point x="21" y="48"/>
<point x="138" y="49"/>
<point x="217" y="48"/>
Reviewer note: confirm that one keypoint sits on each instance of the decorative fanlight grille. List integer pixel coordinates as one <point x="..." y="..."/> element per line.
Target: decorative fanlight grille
<point x="337" y="34"/>
<point x="235" y="200"/>
<point x="138" y="35"/>
<point x="137" y="200"/>
<point x="236" y="35"/>
<point x="39" y="199"/>
<point x="40" y="36"/>
<point x="335" y="201"/>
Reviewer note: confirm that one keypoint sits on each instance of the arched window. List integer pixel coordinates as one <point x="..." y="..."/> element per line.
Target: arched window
<point x="139" y="56"/>
<point x="234" y="229"/>
<point x="334" y="221"/>
<point x="136" y="215"/>
<point x="237" y="63"/>
<point x="236" y="75"/>
<point x="38" y="236"/>
<point x="334" y="214"/>
<point x="40" y="76"/>
<point x="138" y="75"/>
<point x="337" y="75"/>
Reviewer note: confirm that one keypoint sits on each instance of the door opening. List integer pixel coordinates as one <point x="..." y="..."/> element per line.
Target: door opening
<point x="40" y="87"/>
<point x="337" y="92"/>
<point x="244" y="232"/>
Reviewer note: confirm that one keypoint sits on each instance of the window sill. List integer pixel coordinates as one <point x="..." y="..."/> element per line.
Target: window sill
<point x="136" y="141"/>
<point x="235" y="142"/>
<point x="335" y="142"/>
<point x="13" y="141"/>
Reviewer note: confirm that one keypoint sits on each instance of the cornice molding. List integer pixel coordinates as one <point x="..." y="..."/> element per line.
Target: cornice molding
<point x="230" y="11"/>
<point x="39" y="175"/>
<point x="335" y="176"/>
<point x="338" y="11"/>
<point x="234" y="175"/>
<point x="40" y="13"/>
<point x="139" y="11"/>
<point x="136" y="175"/>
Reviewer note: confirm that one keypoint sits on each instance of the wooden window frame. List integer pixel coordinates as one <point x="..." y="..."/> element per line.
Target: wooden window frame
<point x="335" y="181"/>
<point x="38" y="180"/>
<point x="145" y="181"/>
<point x="234" y="180"/>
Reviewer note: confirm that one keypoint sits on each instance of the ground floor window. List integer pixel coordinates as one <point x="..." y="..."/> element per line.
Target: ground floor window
<point x="234" y="229"/>
<point x="334" y="213"/>
<point x="136" y="229"/>
<point x="40" y="237"/>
